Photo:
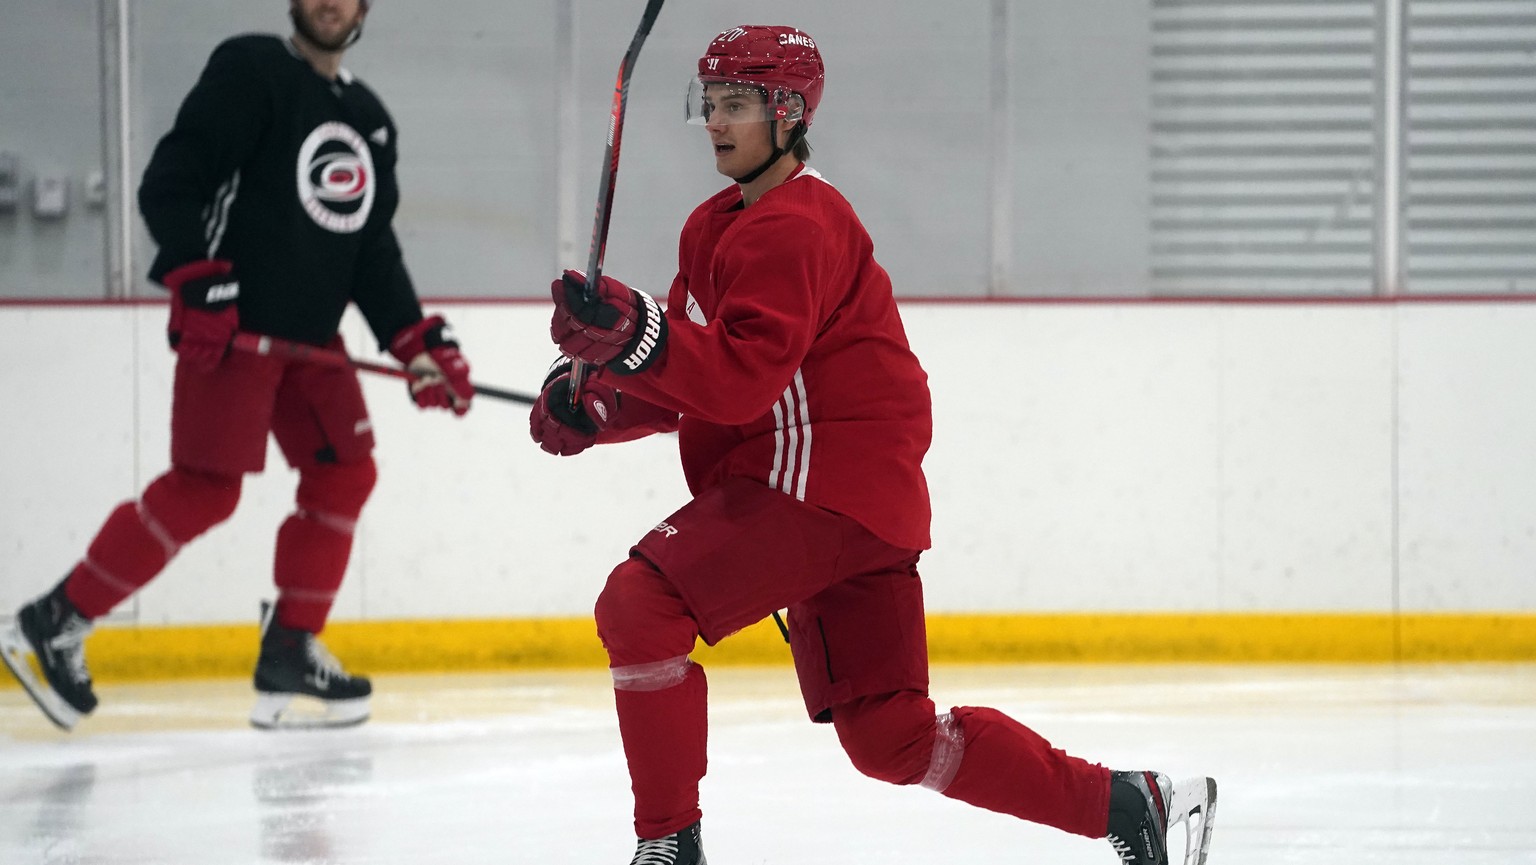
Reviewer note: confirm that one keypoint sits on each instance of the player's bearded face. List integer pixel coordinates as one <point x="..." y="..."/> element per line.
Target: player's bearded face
<point x="327" y="24"/>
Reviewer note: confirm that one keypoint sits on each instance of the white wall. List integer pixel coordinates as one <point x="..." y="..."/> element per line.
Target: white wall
<point x="1087" y="457"/>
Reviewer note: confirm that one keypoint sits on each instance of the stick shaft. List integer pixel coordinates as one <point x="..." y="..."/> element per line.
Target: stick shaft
<point x="255" y="343"/>
<point x="610" y="176"/>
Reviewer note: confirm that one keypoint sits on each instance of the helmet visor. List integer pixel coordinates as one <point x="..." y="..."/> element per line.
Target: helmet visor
<point x="722" y="100"/>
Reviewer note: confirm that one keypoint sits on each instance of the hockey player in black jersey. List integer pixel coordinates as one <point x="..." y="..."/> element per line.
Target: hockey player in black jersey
<point x="271" y="200"/>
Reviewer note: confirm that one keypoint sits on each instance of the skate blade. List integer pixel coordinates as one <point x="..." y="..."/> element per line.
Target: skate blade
<point x="17" y="654"/>
<point x="297" y="712"/>
<point x="1194" y="805"/>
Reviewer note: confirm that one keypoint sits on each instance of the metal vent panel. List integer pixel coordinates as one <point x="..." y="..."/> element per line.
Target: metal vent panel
<point x="1263" y="146"/>
<point x="1471" y="146"/>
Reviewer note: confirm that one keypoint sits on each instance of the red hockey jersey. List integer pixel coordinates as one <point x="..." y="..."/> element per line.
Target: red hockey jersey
<point x="788" y="362"/>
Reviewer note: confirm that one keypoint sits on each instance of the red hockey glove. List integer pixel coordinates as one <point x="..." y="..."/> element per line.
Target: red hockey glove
<point x="620" y="328"/>
<point x="430" y="353"/>
<point x="556" y="427"/>
<point x="203" y="314"/>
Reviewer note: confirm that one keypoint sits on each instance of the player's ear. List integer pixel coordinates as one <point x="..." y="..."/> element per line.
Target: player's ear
<point x="786" y="130"/>
<point x="794" y="112"/>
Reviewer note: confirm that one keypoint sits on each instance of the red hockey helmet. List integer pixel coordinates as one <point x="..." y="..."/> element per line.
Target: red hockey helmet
<point x="778" y="60"/>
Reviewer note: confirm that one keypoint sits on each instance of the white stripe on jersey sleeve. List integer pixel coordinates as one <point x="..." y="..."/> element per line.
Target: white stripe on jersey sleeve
<point x="791" y="440"/>
<point x="219" y="217"/>
<point x="803" y="467"/>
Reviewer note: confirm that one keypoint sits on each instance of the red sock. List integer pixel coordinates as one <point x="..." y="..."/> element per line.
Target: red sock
<point x="314" y="543"/>
<point x="140" y="538"/>
<point x="124" y="556"/>
<point x="311" y="559"/>
<point x="1010" y="769"/>
<point x="665" y="734"/>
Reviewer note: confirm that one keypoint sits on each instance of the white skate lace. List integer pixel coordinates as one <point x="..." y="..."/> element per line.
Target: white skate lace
<point x="662" y="851"/>
<point x="1122" y="849"/>
<point x="70" y="645"/>
<point x="326" y="665"/>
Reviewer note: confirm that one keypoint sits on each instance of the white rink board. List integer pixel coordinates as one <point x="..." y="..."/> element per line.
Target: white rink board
<point x="1088" y="457"/>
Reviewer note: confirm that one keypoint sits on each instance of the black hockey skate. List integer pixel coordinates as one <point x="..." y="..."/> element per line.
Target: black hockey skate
<point x="53" y="633"/>
<point x="294" y="663"/>
<point x="1143" y="806"/>
<point x="685" y="847"/>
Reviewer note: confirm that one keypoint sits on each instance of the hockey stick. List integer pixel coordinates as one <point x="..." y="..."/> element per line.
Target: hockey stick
<point x="255" y="343"/>
<point x="610" y="175"/>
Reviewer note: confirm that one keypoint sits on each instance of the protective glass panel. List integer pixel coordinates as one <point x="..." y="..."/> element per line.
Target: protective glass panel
<point x="54" y="183"/>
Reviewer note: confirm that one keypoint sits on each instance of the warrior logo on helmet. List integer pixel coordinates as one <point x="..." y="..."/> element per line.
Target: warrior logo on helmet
<point x="335" y="176"/>
<point x="779" y="60"/>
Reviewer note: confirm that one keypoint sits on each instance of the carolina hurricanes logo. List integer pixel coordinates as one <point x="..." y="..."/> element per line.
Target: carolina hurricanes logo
<point x="335" y="174"/>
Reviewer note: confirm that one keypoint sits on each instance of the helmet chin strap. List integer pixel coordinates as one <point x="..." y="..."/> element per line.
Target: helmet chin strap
<point x="789" y="143"/>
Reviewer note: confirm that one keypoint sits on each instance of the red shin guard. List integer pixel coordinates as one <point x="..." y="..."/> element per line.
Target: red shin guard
<point x="139" y="538"/>
<point x="315" y="542"/>
<point x="310" y="561"/>
<point x="661" y="696"/>
<point x="978" y="756"/>
<point x="665" y="735"/>
<point x="1010" y="769"/>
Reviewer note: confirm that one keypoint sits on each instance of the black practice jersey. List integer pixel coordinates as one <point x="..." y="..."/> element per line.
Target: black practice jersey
<point x="292" y="178"/>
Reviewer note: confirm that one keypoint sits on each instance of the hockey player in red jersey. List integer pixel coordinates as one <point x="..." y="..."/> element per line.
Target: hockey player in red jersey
<point x="803" y="418"/>
<point x="271" y="199"/>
